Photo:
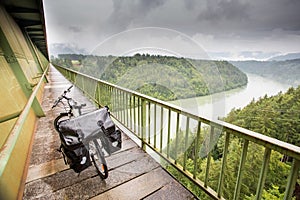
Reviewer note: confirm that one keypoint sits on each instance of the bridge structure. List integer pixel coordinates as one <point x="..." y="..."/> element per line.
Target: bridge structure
<point x="156" y="134"/>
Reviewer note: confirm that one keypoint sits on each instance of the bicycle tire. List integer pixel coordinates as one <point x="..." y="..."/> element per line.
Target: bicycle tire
<point x="98" y="158"/>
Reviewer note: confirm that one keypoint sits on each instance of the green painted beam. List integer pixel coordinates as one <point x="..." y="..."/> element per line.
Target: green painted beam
<point x="18" y="72"/>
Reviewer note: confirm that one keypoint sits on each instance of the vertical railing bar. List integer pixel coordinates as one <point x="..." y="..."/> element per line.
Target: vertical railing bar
<point x="130" y="111"/>
<point x="119" y="105"/>
<point x="123" y="107"/>
<point x="149" y="119"/>
<point x="196" y="150"/>
<point x="127" y="110"/>
<point x="186" y="142"/>
<point x="134" y="115"/>
<point x="292" y="179"/>
<point x="241" y="169"/>
<point x="154" y="125"/>
<point x="143" y="123"/>
<point x="107" y="95"/>
<point x="114" y="100"/>
<point x="169" y="133"/>
<point x="99" y="95"/>
<point x="161" y="128"/>
<point x="176" y="137"/>
<point x="96" y="94"/>
<point x="211" y="135"/>
<point x="100" y="90"/>
<point x="111" y="105"/>
<point x="139" y="117"/>
<point x="222" y="171"/>
<point x="263" y="173"/>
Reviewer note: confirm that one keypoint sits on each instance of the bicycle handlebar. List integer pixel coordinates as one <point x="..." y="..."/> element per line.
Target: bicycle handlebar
<point x="71" y="105"/>
<point x="69" y="89"/>
<point x="62" y="96"/>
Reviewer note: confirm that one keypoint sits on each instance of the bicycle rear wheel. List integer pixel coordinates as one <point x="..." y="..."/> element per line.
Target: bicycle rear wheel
<point x="98" y="158"/>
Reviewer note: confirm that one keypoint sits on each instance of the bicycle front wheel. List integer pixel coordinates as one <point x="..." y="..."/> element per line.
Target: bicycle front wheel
<point x="59" y="119"/>
<point x="98" y="158"/>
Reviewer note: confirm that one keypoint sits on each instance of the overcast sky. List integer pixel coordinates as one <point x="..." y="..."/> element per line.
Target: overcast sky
<point x="223" y="29"/>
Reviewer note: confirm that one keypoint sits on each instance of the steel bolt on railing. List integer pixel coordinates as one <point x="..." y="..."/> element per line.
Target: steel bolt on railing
<point x="145" y="117"/>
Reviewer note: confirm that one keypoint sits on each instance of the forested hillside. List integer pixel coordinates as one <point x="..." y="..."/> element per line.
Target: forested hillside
<point x="277" y="116"/>
<point x="287" y="71"/>
<point x="162" y="77"/>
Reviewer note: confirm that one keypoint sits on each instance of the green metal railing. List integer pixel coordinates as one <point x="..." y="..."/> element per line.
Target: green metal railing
<point x="169" y="131"/>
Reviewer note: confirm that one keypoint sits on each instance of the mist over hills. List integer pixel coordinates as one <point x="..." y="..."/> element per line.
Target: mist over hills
<point x="287" y="71"/>
<point x="289" y="56"/>
<point x="65" y="48"/>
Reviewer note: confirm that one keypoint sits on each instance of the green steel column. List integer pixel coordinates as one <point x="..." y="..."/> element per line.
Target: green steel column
<point x="18" y="72"/>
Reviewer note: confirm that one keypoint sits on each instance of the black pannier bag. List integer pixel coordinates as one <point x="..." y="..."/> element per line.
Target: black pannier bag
<point x="84" y="127"/>
<point x="78" y="159"/>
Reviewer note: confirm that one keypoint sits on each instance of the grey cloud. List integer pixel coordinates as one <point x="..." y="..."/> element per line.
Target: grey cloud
<point x="228" y="10"/>
<point x="271" y="22"/>
<point x="126" y="12"/>
<point x="75" y="29"/>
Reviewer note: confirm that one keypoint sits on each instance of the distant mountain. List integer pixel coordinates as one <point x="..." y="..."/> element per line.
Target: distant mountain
<point x="65" y="48"/>
<point x="283" y="71"/>
<point x="289" y="56"/>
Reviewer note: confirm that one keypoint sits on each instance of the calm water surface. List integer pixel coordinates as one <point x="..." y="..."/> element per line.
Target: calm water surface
<point x="219" y="105"/>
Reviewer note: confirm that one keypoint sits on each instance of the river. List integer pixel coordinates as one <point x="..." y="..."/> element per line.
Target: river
<point x="220" y="104"/>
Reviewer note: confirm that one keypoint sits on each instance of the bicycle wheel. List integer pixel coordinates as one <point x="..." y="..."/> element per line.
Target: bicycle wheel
<point x="98" y="158"/>
<point x="60" y="118"/>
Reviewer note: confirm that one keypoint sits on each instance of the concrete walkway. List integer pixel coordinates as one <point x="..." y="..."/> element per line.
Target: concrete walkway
<point x="133" y="174"/>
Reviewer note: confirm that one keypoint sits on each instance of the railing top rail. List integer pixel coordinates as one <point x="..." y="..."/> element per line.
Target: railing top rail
<point x="269" y="142"/>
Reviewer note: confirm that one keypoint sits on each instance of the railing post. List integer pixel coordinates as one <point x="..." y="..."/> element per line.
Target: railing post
<point x="196" y="150"/>
<point x="292" y="180"/>
<point x="240" y="172"/>
<point x="169" y="133"/>
<point x="161" y="128"/>
<point x="149" y="120"/>
<point x="225" y="151"/>
<point x="186" y="142"/>
<point x="176" y="138"/>
<point x="211" y="135"/>
<point x="154" y="126"/>
<point x="263" y="173"/>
